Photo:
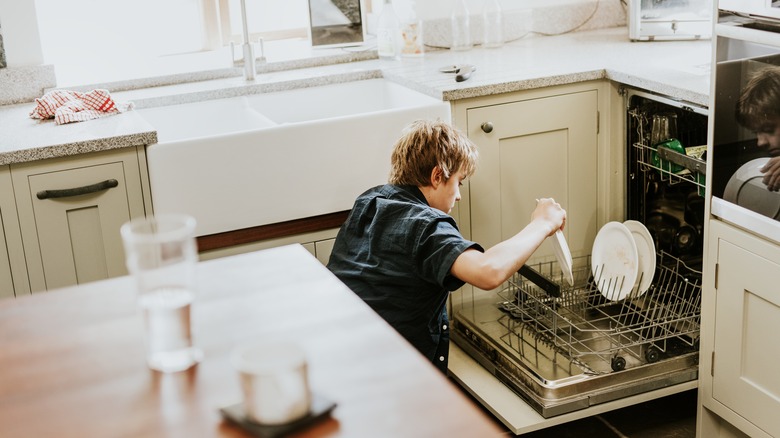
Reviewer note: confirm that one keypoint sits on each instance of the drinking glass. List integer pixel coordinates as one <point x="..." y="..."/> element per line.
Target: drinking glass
<point x="274" y="381"/>
<point x="461" y="26"/>
<point x="664" y="128"/>
<point x="161" y="254"/>
<point x="492" y="24"/>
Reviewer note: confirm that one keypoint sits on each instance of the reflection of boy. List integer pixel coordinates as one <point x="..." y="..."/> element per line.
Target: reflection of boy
<point x="402" y="253"/>
<point x="758" y="109"/>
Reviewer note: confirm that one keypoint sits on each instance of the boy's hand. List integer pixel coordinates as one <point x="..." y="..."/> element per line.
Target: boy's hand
<point x="771" y="171"/>
<point x="550" y="212"/>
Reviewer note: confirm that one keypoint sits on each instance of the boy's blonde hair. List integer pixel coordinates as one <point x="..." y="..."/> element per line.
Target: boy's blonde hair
<point x="426" y="145"/>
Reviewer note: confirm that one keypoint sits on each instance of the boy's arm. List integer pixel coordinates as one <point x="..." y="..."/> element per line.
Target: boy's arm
<point x="490" y="269"/>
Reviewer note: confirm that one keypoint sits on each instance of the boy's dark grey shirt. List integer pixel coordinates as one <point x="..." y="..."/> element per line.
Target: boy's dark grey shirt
<point x="395" y="251"/>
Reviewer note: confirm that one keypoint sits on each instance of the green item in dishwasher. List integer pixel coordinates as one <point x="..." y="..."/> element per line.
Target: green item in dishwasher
<point x="666" y="165"/>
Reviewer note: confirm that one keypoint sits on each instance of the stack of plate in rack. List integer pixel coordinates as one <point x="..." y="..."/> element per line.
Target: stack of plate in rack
<point x="623" y="260"/>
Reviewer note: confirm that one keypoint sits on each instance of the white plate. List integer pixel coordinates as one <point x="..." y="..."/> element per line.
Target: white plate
<point x="614" y="261"/>
<point x="563" y="254"/>
<point x="645" y="248"/>
<point x="747" y="189"/>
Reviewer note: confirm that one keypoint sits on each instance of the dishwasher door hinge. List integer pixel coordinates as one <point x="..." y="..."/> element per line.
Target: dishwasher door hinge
<point x="712" y="364"/>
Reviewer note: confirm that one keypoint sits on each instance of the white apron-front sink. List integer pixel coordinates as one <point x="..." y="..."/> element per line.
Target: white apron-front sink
<point x="267" y="158"/>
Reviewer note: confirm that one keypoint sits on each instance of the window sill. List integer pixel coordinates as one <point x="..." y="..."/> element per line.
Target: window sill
<point x="193" y="67"/>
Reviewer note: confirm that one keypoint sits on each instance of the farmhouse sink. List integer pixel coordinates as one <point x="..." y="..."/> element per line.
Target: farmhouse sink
<point x="268" y="158"/>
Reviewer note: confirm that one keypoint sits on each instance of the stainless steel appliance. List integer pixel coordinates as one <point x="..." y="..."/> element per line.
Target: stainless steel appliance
<point x="746" y="45"/>
<point x="756" y="8"/>
<point x="563" y="348"/>
<point x="650" y="20"/>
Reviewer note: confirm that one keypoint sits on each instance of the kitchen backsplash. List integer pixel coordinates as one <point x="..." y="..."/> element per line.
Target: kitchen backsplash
<point x="536" y="21"/>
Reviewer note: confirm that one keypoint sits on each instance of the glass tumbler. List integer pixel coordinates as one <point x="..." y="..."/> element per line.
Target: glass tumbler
<point x="161" y="254"/>
<point x="461" y="26"/>
<point x="664" y="127"/>
<point x="274" y="381"/>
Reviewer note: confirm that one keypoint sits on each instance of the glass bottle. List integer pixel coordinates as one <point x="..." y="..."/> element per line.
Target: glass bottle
<point x="493" y="23"/>
<point x="411" y="33"/>
<point x="461" y="26"/>
<point x="388" y="32"/>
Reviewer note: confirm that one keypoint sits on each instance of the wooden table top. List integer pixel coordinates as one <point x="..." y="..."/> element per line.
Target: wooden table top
<point x="72" y="360"/>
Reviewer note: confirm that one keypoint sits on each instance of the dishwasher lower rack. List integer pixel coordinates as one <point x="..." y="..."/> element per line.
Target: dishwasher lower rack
<point x="574" y="348"/>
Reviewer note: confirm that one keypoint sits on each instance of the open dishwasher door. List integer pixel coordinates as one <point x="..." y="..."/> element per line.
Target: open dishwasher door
<point x="573" y="352"/>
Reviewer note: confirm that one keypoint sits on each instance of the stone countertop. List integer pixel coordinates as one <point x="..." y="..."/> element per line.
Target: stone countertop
<point x="677" y="69"/>
<point x="25" y="139"/>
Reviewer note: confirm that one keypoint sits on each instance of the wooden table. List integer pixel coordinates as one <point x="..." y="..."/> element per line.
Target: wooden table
<point x="72" y="360"/>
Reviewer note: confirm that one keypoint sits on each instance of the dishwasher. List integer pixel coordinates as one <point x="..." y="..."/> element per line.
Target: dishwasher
<point x="562" y="347"/>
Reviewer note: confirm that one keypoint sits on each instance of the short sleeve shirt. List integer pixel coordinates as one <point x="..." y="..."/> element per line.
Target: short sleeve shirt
<point x="395" y="251"/>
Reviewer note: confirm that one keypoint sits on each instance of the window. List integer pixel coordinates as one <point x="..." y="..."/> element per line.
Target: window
<point x="97" y="41"/>
<point x="269" y="19"/>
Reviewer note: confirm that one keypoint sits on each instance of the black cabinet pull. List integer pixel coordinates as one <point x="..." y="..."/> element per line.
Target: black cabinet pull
<point x="76" y="191"/>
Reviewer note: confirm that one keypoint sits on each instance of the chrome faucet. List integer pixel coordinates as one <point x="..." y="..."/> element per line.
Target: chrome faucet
<point x="250" y="68"/>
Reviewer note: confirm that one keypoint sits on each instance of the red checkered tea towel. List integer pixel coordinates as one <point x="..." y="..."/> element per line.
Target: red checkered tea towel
<point x="73" y="106"/>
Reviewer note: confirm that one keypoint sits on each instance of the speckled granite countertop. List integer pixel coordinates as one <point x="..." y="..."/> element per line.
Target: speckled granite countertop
<point x="677" y="69"/>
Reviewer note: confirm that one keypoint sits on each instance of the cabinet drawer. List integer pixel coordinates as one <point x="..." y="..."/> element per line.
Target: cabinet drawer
<point x="70" y="213"/>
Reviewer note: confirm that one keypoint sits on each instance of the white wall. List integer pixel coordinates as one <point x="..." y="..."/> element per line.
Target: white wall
<point x="20" y="33"/>
<point x="433" y="9"/>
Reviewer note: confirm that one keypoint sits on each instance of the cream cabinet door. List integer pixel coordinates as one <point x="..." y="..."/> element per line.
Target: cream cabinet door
<point x="70" y="212"/>
<point x="6" y="280"/>
<point x="545" y="147"/>
<point x="6" y="194"/>
<point x="745" y="377"/>
<point x="323" y="248"/>
<point x="13" y="269"/>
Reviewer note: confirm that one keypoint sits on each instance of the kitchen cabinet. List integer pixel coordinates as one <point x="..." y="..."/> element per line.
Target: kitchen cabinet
<point x="6" y="280"/>
<point x="540" y="143"/>
<point x="537" y="148"/>
<point x="565" y="142"/>
<point x="13" y="272"/>
<point x="739" y="386"/>
<point x="318" y="243"/>
<point x="70" y="211"/>
<point x="322" y="250"/>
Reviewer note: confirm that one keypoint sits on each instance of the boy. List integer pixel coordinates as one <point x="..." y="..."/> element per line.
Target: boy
<point x="758" y="109"/>
<point x="402" y="253"/>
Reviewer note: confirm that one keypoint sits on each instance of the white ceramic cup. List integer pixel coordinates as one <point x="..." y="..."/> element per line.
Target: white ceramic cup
<point x="274" y="381"/>
<point x="161" y="254"/>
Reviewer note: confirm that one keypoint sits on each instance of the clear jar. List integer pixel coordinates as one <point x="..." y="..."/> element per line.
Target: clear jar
<point x="461" y="26"/>
<point x="493" y="24"/>
<point x="388" y="31"/>
<point x="411" y="33"/>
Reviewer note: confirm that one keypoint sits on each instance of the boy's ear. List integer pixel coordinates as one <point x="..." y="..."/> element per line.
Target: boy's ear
<point x="437" y="177"/>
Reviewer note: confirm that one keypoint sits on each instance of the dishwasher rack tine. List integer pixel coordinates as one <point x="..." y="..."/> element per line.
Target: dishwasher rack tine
<point x="582" y="322"/>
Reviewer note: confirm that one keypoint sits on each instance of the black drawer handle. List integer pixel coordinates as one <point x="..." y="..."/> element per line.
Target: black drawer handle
<point x="76" y="191"/>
